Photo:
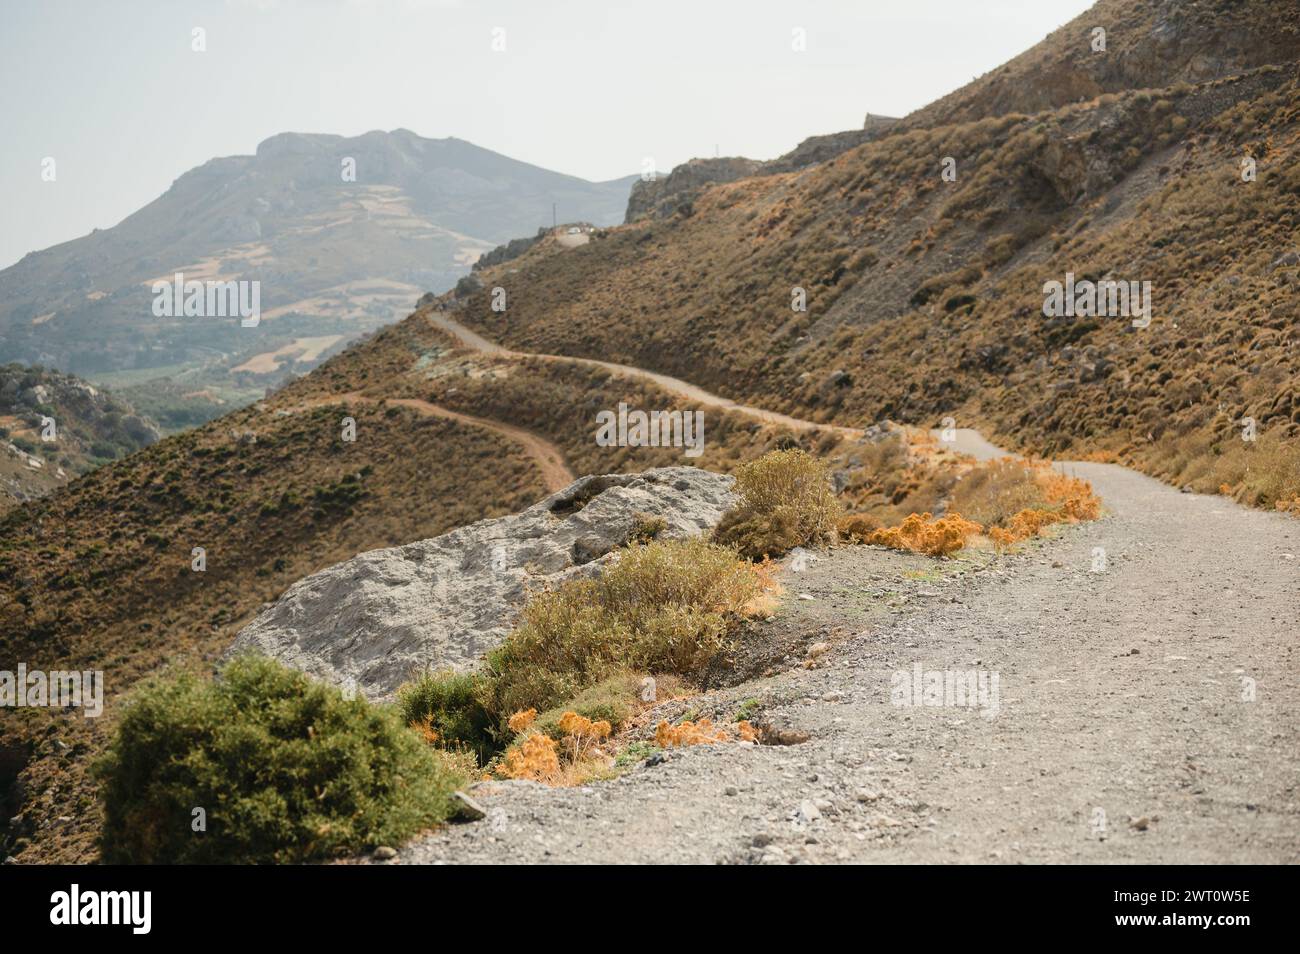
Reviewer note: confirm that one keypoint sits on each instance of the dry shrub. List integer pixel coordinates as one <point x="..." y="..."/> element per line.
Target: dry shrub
<point x="668" y="606"/>
<point x="1266" y="472"/>
<point x="1065" y="500"/>
<point x="616" y="700"/>
<point x="703" y="732"/>
<point x="1075" y="496"/>
<point x="1022" y="526"/>
<point x="993" y="491"/>
<point x="1015" y="499"/>
<point x="857" y="527"/>
<point x="922" y="533"/>
<point x="521" y="720"/>
<point x="571" y="760"/>
<point x="535" y="759"/>
<point x="785" y="501"/>
<point x="582" y="735"/>
<point x="427" y="732"/>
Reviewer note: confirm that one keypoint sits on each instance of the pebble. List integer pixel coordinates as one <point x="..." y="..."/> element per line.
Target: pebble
<point x="807" y="812"/>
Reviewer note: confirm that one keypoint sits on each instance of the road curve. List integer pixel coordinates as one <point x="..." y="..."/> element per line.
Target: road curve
<point x="549" y="459"/>
<point x="476" y="342"/>
<point x="1148" y="712"/>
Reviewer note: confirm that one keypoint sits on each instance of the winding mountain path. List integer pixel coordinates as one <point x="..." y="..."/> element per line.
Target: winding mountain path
<point x="476" y="342"/>
<point x="549" y="459"/>
<point x="1147" y="710"/>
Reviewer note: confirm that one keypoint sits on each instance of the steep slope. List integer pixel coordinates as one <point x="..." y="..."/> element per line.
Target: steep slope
<point x="925" y="297"/>
<point x="343" y="235"/>
<point x="1148" y="44"/>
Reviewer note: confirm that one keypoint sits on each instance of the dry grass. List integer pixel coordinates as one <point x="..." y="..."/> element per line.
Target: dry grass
<point x="993" y="492"/>
<point x="785" y="501"/>
<point x="662" y="607"/>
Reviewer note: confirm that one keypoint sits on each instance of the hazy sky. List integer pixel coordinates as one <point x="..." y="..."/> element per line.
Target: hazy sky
<point x="115" y="94"/>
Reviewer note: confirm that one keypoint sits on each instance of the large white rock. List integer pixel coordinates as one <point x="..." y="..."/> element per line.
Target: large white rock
<point x="373" y="621"/>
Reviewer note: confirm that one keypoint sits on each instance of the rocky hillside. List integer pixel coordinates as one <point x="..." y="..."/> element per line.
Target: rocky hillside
<point x="659" y="197"/>
<point x="925" y="293"/>
<point x="924" y="297"/>
<point x="1148" y="44"/>
<point x="343" y="234"/>
<point x="55" y="426"/>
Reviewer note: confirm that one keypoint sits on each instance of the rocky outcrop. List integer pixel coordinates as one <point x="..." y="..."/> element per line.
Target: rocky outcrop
<point x="817" y="149"/>
<point x="664" y="196"/>
<point x="668" y="195"/>
<point x="373" y="621"/>
<point x="509" y="251"/>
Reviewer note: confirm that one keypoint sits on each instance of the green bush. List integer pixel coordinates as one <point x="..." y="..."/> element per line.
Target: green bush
<point x="286" y="770"/>
<point x="450" y="704"/>
<point x="786" y="501"/>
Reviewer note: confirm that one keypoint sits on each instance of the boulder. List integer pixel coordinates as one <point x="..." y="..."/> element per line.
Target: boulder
<point x="372" y="622"/>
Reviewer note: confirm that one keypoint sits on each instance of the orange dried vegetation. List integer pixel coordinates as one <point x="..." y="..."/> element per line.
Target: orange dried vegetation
<point x="521" y="720"/>
<point x="425" y="728"/>
<point x="536" y="759"/>
<point x="703" y="732"/>
<point x="922" y="533"/>
<point x="1075" y="497"/>
<point x="1023" y="525"/>
<point x="582" y="735"/>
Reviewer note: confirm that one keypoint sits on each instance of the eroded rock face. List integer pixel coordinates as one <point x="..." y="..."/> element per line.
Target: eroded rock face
<point x="375" y="620"/>
<point x="663" y="196"/>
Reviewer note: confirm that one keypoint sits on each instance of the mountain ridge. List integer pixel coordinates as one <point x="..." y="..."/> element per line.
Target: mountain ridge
<point x="342" y="233"/>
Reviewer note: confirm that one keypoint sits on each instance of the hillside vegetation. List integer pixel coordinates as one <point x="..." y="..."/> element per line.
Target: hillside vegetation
<point x="925" y="297"/>
<point x="924" y="301"/>
<point x="54" y="426"/>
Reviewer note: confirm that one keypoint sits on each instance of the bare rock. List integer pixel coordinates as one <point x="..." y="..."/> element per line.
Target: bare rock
<point x="372" y="622"/>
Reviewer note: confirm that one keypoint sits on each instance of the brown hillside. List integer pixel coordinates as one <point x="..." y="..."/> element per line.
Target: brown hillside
<point x="925" y="297"/>
<point x="1150" y="44"/>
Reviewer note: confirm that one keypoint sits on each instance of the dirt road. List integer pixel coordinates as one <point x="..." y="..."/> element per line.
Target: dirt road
<point x="549" y="459"/>
<point x="477" y="342"/>
<point x="1146" y="710"/>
